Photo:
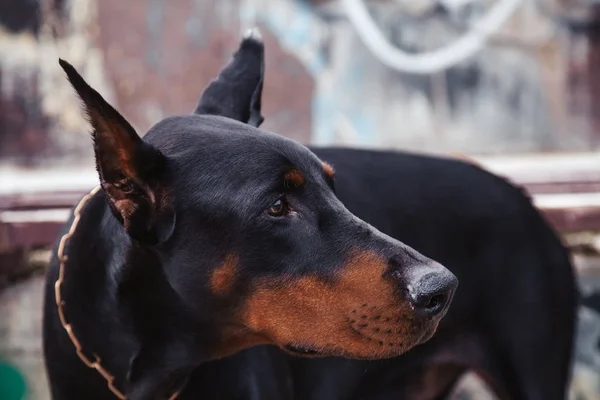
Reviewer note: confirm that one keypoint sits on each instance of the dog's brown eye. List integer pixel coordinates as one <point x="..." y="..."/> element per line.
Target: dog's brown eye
<point x="279" y="208"/>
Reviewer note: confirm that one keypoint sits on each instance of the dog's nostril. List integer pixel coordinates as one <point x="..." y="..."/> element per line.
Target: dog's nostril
<point x="435" y="302"/>
<point x="432" y="293"/>
<point x="428" y="303"/>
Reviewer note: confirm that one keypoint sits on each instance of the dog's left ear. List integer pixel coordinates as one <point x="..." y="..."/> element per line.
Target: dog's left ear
<point x="237" y="91"/>
<point x="132" y="172"/>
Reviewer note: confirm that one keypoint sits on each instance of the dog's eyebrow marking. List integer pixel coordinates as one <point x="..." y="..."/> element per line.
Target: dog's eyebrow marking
<point x="328" y="169"/>
<point x="293" y="178"/>
<point x="223" y="277"/>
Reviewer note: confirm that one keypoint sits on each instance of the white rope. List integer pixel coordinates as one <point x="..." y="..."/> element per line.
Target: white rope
<point x="455" y="4"/>
<point x="434" y="61"/>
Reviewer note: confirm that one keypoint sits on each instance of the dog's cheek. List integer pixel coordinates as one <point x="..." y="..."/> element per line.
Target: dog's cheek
<point x="292" y="310"/>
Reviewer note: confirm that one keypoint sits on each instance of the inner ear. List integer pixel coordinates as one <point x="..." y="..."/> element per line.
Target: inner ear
<point x="237" y="91"/>
<point x="132" y="172"/>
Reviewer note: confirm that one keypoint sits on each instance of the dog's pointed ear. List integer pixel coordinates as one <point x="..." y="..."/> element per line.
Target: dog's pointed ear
<point x="237" y="91"/>
<point x="132" y="172"/>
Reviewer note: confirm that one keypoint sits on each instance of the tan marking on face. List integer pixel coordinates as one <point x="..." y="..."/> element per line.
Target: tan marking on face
<point x="328" y="170"/>
<point x="360" y="313"/>
<point x="223" y="277"/>
<point x="294" y="177"/>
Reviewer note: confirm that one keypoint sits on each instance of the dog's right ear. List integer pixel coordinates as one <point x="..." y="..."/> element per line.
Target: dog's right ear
<point x="132" y="172"/>
<point x="237" y="91"/>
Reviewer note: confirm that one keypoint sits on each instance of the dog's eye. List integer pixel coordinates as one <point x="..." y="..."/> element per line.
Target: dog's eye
<point x="279" y="208"/>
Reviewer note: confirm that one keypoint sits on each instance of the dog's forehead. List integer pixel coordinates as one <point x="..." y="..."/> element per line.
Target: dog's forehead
<point x="171" y="128"/>
<point x="193" y="136"/>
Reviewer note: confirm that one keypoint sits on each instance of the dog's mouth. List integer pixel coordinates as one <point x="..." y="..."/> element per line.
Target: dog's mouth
<point x="301" y="351"/>
<point x="367" y="344"/>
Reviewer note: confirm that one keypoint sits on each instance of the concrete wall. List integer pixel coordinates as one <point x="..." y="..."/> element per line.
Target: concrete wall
<point x="148" y="58"/>
<point x="533" y="88"/>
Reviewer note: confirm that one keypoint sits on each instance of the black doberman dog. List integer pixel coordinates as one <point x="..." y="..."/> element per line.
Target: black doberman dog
<point x="210" y="236"/>
<point x="512" y="320"/>
<point x="213" y="236"/>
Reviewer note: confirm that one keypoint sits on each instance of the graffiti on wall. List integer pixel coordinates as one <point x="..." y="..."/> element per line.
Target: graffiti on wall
<point x="522" y="92"/>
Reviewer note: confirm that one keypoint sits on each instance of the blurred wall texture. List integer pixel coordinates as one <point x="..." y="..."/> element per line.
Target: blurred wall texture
<point x="534" y="87"/>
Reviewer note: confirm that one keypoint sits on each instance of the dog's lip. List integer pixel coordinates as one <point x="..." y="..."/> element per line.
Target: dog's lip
<point x="407" y="339"/>
<point x="301" y="350"/>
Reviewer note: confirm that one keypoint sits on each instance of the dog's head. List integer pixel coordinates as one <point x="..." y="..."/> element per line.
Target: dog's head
<point x="249" y="231"/>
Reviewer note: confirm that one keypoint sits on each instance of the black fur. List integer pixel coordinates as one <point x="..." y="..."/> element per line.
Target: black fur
<point x="147" y="308"/>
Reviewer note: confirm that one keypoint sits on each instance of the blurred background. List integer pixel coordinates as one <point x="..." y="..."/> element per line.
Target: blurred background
<point x="512" y="85"/>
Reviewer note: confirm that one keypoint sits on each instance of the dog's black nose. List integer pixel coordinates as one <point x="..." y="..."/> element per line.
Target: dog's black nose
<point x="432" y="292"/>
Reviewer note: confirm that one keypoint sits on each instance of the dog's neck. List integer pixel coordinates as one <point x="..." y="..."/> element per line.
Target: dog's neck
<point x="130" y="316"/>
